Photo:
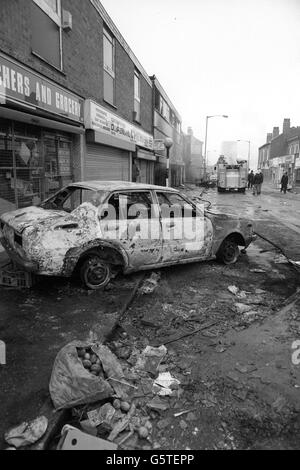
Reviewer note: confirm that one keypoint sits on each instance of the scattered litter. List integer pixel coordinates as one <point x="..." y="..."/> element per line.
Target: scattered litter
<point x="242" y="308"/>
<point x="182" y="413"/>
<point x="27" y="433"/>
<point x="165" y="384"/>
<point x="234" y="290"/>
<point x="151" y="358"/>
<point x="73" y="439"/>
<point x="150" y="284"/>
<point x="158" y="405"/>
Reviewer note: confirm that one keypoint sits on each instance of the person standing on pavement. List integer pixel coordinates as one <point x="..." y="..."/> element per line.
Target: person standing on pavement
<point x="250" y="179"/>
<point x="257" y="183"/>
<point x="284" y="183"/>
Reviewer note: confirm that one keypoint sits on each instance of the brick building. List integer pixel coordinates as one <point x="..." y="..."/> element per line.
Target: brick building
<point x="75" y="102"/>
<point x="167" y="123"/>
<point x="281" y="154"/>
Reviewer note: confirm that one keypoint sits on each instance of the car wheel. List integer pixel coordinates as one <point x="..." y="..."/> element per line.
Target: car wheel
<point x="95" y="272"/>
<point x="229" y="252"/>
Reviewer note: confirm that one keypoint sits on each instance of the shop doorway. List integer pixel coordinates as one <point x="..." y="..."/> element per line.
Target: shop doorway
<point x="33" y="164"/>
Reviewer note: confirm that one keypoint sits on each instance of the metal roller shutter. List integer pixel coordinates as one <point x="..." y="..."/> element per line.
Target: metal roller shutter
<point x="106" y="164"/>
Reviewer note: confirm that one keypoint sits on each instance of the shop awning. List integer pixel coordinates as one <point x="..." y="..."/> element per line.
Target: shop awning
<point x="144" y="155"/>
<point x="36" y="120"/>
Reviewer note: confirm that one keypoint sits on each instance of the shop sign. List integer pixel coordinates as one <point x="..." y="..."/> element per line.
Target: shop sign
<point x="274" y="162"/>
<point x="297" y="163"/>
<point x="101" y="120"/>
<point x="30" y="89"/>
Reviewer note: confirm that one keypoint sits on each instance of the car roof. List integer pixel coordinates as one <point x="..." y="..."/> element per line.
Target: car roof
<point x="118" y="186"/>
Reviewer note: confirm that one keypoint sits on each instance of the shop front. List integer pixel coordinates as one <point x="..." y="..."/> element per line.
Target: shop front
<point x="281" y="165"/>
<point x="40" y="128"/>
<point x="116" y="150"/>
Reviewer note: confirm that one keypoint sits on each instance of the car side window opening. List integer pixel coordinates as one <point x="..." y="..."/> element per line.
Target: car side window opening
<point x="68" y="199"/>
<point x="172" y="205"/>
<point x="130" y="206"/>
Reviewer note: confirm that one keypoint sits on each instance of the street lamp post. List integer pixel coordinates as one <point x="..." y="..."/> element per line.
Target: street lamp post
<point x="168" y="145"/>
<point x="205" y="147"/>
<point x="249" y="150"/>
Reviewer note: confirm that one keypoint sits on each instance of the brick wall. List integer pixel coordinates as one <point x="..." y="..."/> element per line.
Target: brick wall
<point x="82" y="56"/>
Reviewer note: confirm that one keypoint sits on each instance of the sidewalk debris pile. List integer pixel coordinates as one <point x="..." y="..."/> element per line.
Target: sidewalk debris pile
<point x="116" y="393"/>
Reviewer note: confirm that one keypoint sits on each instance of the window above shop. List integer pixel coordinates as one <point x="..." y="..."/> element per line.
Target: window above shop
<point x="166" y="112"/>
<point x="46" y="38"/>
<point x="137" y="97"/>
<point x="109" y="66"/>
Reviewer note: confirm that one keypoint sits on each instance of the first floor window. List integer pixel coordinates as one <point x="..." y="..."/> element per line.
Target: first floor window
<point x="46" y="31"/>
<point x="137" y="97"/>
<point x="109" y="66"/>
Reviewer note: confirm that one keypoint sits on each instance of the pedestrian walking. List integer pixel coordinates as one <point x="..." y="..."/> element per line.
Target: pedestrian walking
<point x="284" y="183"/>
<point x="250" y="179"/>
<point x="257" y="183"/>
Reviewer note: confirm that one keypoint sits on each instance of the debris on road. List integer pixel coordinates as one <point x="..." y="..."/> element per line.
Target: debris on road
<point x="165" y="384"/>
<point x="27" y="433"/>
<point x="150" y="284"/>
<point x="233" y="289"/>
<point x="73" y="439"/>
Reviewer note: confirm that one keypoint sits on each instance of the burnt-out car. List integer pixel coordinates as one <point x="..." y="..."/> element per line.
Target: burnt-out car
<point x="98" y="229"/>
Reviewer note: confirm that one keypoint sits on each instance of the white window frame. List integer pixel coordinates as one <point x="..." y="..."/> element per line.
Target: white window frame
<point x="57" y="18"/>
<point x="137" y="75"/>
<point x="111" y="39"/>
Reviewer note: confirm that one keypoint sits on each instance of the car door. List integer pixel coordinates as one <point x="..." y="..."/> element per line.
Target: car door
<point x="186" y="232"/>
<point x="133" y="221"/>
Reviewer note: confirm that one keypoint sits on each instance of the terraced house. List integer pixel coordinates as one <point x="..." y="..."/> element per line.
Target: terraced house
<point x="75" y="102"/>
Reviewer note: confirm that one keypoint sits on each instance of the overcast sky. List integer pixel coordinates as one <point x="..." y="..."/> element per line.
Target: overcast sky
<point x="235" y="57"/>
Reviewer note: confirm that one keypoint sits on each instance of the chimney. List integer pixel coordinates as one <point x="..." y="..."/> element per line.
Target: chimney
<point x="275" y="132"/>
<point x="286" y="126"/>
<point x="190" y="131"/>
<point x="269" y="138"/>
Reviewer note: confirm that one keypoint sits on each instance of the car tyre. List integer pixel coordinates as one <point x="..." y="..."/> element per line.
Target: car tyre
<point x="95" y="272"/>
<point x="228" y="252"/>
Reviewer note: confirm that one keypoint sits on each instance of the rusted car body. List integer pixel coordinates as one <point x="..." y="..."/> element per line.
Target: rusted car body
<point x="73" y="232"/>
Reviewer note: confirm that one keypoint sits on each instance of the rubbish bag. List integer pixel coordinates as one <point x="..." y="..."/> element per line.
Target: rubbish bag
<point x="72" y="385"/>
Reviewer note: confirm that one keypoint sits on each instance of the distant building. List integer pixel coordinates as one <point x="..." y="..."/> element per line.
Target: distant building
<point x="193" y="158"/>
<point x="280" y="154"/>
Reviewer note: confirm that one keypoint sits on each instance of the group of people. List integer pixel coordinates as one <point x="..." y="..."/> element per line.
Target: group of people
<point x="255" y="181"/>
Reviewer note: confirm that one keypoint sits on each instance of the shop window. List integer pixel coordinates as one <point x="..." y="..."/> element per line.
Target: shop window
<point x="109" y="67"/>
<point x="137" y="97"/>
<point x="46" y="37"/>
<point x="33" y="165"/>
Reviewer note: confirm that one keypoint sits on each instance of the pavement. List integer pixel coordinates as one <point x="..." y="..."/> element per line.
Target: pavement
<point x="237" y="376"/>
